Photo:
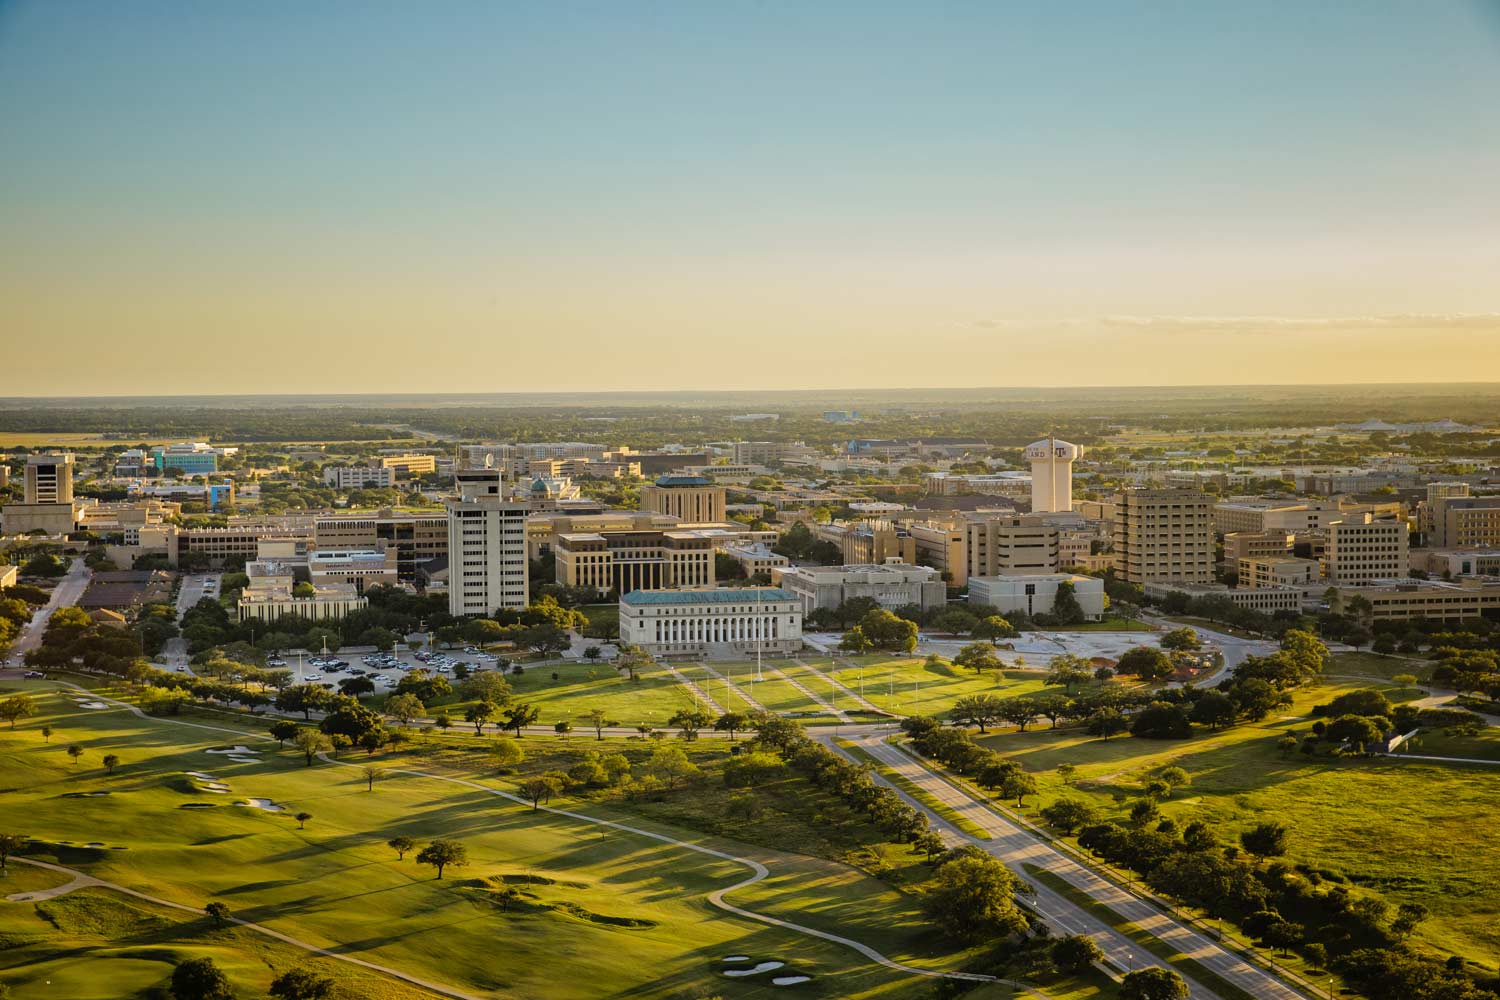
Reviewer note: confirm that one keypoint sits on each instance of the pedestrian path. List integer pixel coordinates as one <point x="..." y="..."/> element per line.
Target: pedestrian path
<point x="854" y="696"/>
<point x="694" y="690"/>
<point x="732" y="687"/>
<point x="834" y="710"/>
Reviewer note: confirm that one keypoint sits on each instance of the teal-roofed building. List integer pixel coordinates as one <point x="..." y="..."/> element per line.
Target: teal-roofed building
<point x="716" y="622"/>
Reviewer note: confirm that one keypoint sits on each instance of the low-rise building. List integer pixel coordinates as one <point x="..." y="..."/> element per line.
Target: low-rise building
<point x="409" y="465"/>
<point x="1257" y="545"/>
<point x="359" y="477"/>
<point x="618" y="562"/>
<point x="1266" y="600"/>
<point x="1456" y="562"/>
<point x="1036" y="594"/>
<point x="363" y="568"/>
<point x="891" y="585"/>
<point x="1435" y="600"/>
<point x="756" y="558"/>
<point x="1282" y="572"/>
<point x="945" y="548"/>
<point x="712" y="623"/>
<point x="1017" y="545"/>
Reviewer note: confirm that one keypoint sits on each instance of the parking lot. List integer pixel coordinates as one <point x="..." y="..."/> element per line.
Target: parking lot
<point x="383" y="669"/>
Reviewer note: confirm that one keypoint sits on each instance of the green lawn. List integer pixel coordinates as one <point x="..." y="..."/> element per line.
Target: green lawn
<point x="1378" y="667"/>
<point x="1484" y="745"/>
<point x="1110" y="623"/>
<point x="1414" y="832"/>
<point x="619" y="908"/>
<point x="908" y="686"/>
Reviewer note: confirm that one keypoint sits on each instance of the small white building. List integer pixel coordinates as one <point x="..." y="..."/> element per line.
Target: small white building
<point x="891" y="585"/>
<point x="1036" y="593"/>
<point x="358" y="477"/>
<point x="718" y="622"/>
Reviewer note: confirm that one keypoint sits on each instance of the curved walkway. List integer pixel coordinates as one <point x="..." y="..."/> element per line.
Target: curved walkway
<point x="80" y="880"/>
<point x="758" y="873"/>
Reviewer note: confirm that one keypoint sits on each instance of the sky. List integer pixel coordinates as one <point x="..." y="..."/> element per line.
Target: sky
<point x="293" y="197"/>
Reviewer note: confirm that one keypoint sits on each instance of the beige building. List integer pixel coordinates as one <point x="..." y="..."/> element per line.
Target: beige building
<point x="621" y="561"/>
<point x="362" y="568"/>
<point x="1362" y="549"/>
<point x="688" y="498"/>
<point x="1016" y="545"/>
<point x="409" y="465"/>
<point x="487" y="567"/>
<point x="1164" y="535"/>
<point x="47" y="503"/>
<point x="8" y="576"/>
<point x="1266" y="600"/>
<point x="712" y="623"/>
<point x="756" y="558"/>
<point x="869" y="541"/>
<point x="1457" y="562"/>
<point x="1258" y="573"/>
<point x="49" y="479"/>
<point x="943" y="547"/>
<point x="1257" y="515"/>
<point x="1465" y="522"/>
<point x="1437" y="600"/>
<point x="417" y="538"/>
<point x="1257" y="545"/>
<point x="1037" y="594"/>
<point x="891" y="586"/>
<point x="357" y="477"/>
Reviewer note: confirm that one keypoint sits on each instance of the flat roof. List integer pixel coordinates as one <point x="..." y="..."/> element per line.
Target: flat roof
<point x="731" y="595"/>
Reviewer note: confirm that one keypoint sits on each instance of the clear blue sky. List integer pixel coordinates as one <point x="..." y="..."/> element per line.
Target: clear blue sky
<point x="529" y="191"/>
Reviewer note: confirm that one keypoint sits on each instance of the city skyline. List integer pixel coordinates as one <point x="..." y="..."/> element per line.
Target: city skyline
<point x="526" y="196"/>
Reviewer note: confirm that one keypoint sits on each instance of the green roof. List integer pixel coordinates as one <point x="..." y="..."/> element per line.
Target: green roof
<point x="729" y="595"/>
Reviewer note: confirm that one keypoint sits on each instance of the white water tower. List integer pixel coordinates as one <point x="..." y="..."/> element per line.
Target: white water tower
<point x="1052" y="474"/>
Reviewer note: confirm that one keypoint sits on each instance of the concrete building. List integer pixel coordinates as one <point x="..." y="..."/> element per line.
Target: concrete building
<point x="1037" y="593"/>
<point x="487" y="567"/>
<point x="358" y="477"/>
<point x="1257" y="545"/>
<point x="1018" y="545"/>
<point x="996" y="484"/>
<point x="191" y="458"/>
<point x="769" y="452"/>
<point x="1259" y="515"/>
<point x="47" y="503"/>
<point x="621" y="561"/>
<point x="1465" y="522"/>
<point x="892" y="585"/>
<point x="417" y="538"/>
<point x="1164" y="535"/>
<point x="712" y="623"/>
<point x="756" y="558"/>
<point x="1052" y="474"/>
<point x="48" y="479"/>
<point x="1266" y="600"/>
<point x="1436" y="600"/>
<point x="1457" y="562"/>
<point x="945" y="548"/>
<point x="273" y="592"/>
<point x="1278" y="572"/>
<point x="409" y="465"/>
<point x="1362" y="549"/>
<point x="361" y="568"/>
<point x="688" y="498"/>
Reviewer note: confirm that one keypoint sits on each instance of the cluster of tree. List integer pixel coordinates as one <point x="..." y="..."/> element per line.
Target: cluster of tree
<point x="72" y="636"/>
<point x="956" y="749"/>
<point x="16" y="610"/>
<point x="881" y="629"/>
<point x="798" y="544"/>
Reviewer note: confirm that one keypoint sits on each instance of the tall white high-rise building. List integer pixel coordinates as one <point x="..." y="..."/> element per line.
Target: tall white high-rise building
<point x="1052" y="474"/>
<point x="486" y="546"/>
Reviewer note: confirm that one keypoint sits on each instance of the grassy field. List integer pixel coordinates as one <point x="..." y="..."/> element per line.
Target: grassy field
<point x="1378" y="667"/>
<point x="612" y="908"/>
<point x="1411" y="831"/>
<point x="909" y="686"/>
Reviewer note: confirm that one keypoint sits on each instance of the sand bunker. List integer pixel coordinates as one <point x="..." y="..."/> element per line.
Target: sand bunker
<point x="94" y="843"/>
<point x="267" y="804"/>
<point x="92" y="704"/>
<point x="216" y="786"/>
<point x="245" y="760"/>
<point x="242" y="751"/>
<point x="790" y="980"/>
<point x="738" y="958"/>
<point x="757" y="970"/>
<point x="199" y="775"/>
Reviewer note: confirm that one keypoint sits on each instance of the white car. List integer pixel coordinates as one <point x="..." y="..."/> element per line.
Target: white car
<point x="314" y="677"/>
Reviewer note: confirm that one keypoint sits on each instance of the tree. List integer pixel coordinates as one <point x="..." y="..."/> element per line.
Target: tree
<point x="302" y="818"/>
<point x="371" y="773"/>
<point x="442" y="854"/>
<point x="17" y="706"/>
<point x="401" y="845"/>
<point x="1146" y="662"/>
<point x="75" y="751"/>
<point x="978" y="657"/>
<point x="1161" y="720"/>
<point x="10" y="843"/>
<point x="671" y="766"/>
<point x="1068" y="814"/>
<point x="518" y="717"/>
<point x="1174" y="776"/>
<point x="479" y="713"/>
<point x="632" y="660"/>
<point x="562" y="727"/>
<point x="111" y="761"/>
<point x="1282" y="934"/>
<point x="1075" y="953"/>
<point x="1214" y="710"/>
<point x="311" y="743"/>
<point x="994" y="627"/>
<point x="974" y="898"/>
<point x="508" y="752"/>
<point x="218" y="912"/>
<point x="598" y="718"/>
<point x="689" y="721"/>
<point x="301" y="984"/>
<point x="1067" y="671"/>
<point x="1357" y="730"/>
<point x="544" y="639"/>
<point x="731" y="722"/>
<point x="978" y="710"/>
<point x="46" y="732"/>
<point x="855" y="641"/>
<point x="302" y="698"/>
<point x="282" y="730"/>
<point x="537" y="788"/>
<point x="1107" y="722"/>
<point x="1266" y="840"/>
<point x="200" y="979"/>
<point x="404" y="708"/>
<point x="1184" y="638"/>
<point x="1017" y="786"/>
<point x="1154" y="983"/>
<point x="1019" y="712"/>
<point x="488" y="686"/>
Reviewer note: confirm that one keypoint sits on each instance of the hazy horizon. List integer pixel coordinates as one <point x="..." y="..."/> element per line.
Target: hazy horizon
<point x="292" y="198"/>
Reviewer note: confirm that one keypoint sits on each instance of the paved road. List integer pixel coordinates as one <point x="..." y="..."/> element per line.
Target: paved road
<point x="1018" y="847"/>
<point x="66" y="594"/>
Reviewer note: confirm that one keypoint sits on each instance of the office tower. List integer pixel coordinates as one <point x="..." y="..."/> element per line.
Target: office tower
<point x="1164" y="535"/>
<point x="49" y="478"/>
<point x="486" y="546"/>
<point x="1361" y="549"/>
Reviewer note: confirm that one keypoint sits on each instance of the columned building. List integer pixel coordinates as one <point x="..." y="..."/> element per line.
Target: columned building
<point x="687" y="498"/>
<point x="618" y="562"/>
<point x="727" y="622"/>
